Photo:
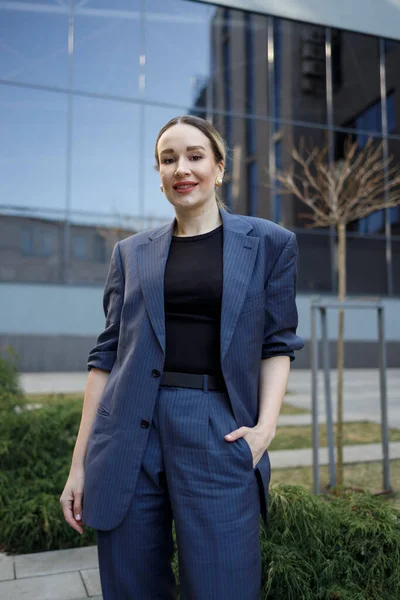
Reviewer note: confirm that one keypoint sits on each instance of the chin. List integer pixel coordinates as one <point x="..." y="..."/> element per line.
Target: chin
<point x="186" y="201"/>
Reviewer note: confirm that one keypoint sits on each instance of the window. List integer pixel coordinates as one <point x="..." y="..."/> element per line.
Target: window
<point x="226" y="51"/>
<point x="391" y="113"/>
<point x="277" y="206"/>
<point x="252" y="186"/>
<point x="80" y="247"/>
<point x="299" y="71"/>
<point x="99" y="249"/>
<point x="27" y="245"/>
<point x="45" y="243"/>
<point x="356" y="78"/>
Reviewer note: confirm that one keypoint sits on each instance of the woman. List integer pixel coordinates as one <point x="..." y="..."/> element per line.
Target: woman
<point x="185" y="386"/>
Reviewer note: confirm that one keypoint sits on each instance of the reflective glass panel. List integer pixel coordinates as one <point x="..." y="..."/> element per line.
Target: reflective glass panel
<point x="246" y="171"/>
<point x="239" y="58"/>
<point x="107" y="47"/>
<point x="392" y="63"/>
<point x="299" y="72"/>
<point x="361" y="251"/>
<point x="374" y="223"/>
<point x="178" y="57"/>
<point x="314" y="266"/>
<point x="394" y="153"/>
<point x="106" y="160"/>
<point x="34" y="43"/>
<point x="293" y="212"/>
<point x="396" y="263"/>
<point x="356" y="81"/>
<point x="33" y="128"/>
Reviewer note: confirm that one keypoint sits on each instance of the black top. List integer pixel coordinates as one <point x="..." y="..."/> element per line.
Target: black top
<point x="193" y="297"/>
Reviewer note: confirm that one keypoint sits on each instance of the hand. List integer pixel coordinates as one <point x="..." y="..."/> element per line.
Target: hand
<point x="258" y="440"/>
<point x="71" y="499"/>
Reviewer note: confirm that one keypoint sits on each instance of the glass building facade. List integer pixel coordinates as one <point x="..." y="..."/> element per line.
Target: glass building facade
<point x="85" y="86"/>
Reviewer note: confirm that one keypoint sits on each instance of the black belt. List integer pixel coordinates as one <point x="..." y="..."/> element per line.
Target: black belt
<point x="193" y="380"/>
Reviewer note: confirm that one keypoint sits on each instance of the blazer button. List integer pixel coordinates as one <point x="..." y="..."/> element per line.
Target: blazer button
<point x="156" y="373"/>
<point x="145" y="424"/>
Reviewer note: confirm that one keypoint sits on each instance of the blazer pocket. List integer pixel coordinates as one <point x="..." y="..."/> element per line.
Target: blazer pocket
<point x="102" y="410"/>
<point x="253" y="303"/>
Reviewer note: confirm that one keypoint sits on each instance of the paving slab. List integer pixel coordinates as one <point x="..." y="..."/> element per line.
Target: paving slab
<point x="284" y="459"/>
<point x="56" y="561"/>
<point x="63" y="586"/>
<point x="298" y="420"/>
<point x="91" y="579"/>
<point x="53" y="383"/>
<point x="6" y="567"/>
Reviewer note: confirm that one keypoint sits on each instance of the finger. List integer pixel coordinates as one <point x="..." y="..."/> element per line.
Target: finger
<point x="78" y="506"/>
<point x="237" y="433"/>
<point x="68" y="515"/>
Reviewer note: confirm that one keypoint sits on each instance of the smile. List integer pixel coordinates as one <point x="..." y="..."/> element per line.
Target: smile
<point x="184" y="187"/>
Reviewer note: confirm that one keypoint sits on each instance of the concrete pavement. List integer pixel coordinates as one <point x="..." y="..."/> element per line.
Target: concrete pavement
<point x="59" y="575"/>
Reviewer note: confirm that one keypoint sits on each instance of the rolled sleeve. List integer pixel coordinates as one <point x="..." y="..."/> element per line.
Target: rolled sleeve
<point x="281" y="317"/>
<point x="104" y="353"/>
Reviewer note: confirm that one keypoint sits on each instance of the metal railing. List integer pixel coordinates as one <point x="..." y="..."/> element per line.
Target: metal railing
<point x="318" y="305"/>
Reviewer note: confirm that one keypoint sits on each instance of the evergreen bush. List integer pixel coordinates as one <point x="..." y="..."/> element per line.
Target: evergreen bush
<point x="10" y="392"/>
<point x="314" y="548"/>
<point x="35" y="455"/>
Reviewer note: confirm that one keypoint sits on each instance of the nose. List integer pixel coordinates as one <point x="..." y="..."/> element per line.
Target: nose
<point x="182" y="167"/>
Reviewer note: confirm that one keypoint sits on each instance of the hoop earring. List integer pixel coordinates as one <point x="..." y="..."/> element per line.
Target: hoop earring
<point x="161" y="188"/>
<point x="218" y="181"/>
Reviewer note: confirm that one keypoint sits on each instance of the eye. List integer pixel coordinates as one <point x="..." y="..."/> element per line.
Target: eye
<point x="196" y="157"/>
<point x="167" y="161"/>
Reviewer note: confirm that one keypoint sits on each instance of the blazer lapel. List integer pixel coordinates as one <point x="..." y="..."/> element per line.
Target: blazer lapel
<point x="153" y="256"/>
<point x="239" y="255"/>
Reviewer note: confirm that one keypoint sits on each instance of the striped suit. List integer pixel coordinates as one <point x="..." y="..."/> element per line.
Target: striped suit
<point x="154" y="452"/>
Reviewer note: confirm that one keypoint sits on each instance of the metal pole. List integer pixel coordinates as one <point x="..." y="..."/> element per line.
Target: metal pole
<point x="66" y="275"/>
<point x="142" y="116"/>
<point x="331" y="147"/>
<point x="384" y="412"/>
<point x="272" y="125"/>
<point x="328" y="400"/>
<point x="385" y="147"/>
<point x="314" y="366"/>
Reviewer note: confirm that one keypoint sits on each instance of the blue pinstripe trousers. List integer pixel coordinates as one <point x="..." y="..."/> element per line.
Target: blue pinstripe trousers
<point x="208" y="486"/>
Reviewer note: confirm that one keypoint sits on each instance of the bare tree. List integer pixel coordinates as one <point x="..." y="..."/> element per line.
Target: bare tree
<point x="337" y="194"/>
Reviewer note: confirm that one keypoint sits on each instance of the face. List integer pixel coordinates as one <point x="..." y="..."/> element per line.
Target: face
<point x="187" y="166"/>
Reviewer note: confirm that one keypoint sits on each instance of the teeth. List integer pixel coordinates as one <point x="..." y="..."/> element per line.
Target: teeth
<point x="183" y="187"/>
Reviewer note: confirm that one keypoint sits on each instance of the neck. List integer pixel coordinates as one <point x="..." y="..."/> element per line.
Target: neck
<point x="197" y="224"/>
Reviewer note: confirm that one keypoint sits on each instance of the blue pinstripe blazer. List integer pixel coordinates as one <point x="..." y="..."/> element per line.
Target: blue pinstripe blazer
<point x="258" y="320"/>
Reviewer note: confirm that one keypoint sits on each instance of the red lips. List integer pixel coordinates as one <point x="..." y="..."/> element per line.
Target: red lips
<point x="182" y="183"/>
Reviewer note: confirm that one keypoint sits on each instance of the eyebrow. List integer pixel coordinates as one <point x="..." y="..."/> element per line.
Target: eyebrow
<point x="189" y="149"/>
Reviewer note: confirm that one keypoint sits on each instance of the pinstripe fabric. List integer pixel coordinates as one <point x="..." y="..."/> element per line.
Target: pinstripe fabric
<point x="259" y="318"/>
<point x="209" y="486"/>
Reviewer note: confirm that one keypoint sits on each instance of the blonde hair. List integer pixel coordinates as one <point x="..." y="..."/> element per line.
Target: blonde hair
<point x="217" y="142"/>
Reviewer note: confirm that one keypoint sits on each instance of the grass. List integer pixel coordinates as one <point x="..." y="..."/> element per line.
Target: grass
<point x="52" y="398"/>
<point x="289" y="409"/>
<point x="366" y="476"/>
<point x="359" y="432"/>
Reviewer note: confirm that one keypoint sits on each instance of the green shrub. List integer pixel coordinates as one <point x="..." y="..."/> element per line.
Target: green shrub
<point x="10" y="392"/>
<point x="328" y="548"/>
<point x="314" y="548"/>
<point x="35" y="455"/>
